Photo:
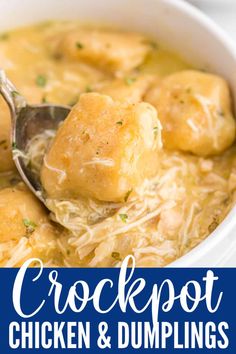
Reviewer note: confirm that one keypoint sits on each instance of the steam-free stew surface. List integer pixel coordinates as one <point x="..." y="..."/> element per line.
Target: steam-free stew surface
<point x="157" y="221"/>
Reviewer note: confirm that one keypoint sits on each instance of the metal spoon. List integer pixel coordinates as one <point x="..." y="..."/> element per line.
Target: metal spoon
<point x="28" y="121"/>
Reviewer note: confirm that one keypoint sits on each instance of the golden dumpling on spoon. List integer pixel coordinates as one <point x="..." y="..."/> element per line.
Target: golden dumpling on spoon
<point x="103" y="150"/>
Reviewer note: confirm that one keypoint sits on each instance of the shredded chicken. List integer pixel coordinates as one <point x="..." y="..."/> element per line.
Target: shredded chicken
<point x="161" y="220"/>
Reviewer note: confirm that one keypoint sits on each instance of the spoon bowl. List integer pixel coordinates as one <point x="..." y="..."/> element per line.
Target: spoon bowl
<point x="27" y="122"/>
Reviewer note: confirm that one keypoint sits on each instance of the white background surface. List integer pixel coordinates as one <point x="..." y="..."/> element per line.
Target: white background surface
<point x="222" y="11"/>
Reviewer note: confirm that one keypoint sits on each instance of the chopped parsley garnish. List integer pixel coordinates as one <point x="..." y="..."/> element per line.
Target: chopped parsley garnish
<point x="15" y="93"/>
<point x="127" y="195"/>
<point x="123" y="217"/>
<point x="152" y="44"/>
<point x="88" y="88"/>
<point x="120" y="122"/>
<point x="116" y="256"/>
<point x="130" y="80"/>
<point x="30" y="226"/>
<point x="79" y="45"/>
<point x="4" y="36"/>
<point x="41" y="81"/>
<point x="188" y="89"/>
<point x="14" y="147"/>
<point x="44" y="99"/>
<point x="155" y="131"/>
<point x="73" y="101"/>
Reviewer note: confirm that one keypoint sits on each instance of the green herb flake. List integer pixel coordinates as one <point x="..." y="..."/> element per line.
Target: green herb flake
<point x="120" y="122"/>
<point x="155" y="131"/>
<point x="30" y="226"/>
<point x="4" y="36"/>
<point x="138" y="69"/>
<point x="189" y="90"/>
<point x="15" y="93"/>
<point x="130" y="80"/>
<point x="14" y="147"/>
<point x="116" y="256"/>
<point x="154" y="45"/>
<point x="73" y="101"/>
<point x="127" y="195"/>
<point x="44" y="99"/>
<point x="123" y="217"/>
<point x="151" y="43"/>
<point x="79" y="45"/>
<point x="88" y="89"/>
<point x="41" y="80"/>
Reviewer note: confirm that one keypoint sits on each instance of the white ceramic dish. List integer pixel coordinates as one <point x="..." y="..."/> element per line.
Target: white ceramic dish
<point x="181" y="28"/>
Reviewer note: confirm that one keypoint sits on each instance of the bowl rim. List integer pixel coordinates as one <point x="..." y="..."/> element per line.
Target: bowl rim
<point x="214" y="239"/>
<point x="222" y="231"/>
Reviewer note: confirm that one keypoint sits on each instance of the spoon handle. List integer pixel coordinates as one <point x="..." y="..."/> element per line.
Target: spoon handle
<point x="12" y="97"/>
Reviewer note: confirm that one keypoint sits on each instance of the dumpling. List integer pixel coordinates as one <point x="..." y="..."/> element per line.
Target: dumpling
<point x="24" y="227"/>
<point x="17" y="207"/>
<point x="110" y="50"/>
<point x="195" y="111"/>
<point x="130" y="89"/>
<point x="103" y="150"/>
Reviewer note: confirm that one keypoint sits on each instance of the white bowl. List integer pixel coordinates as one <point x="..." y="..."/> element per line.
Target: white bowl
<point x="178" y="26"/>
